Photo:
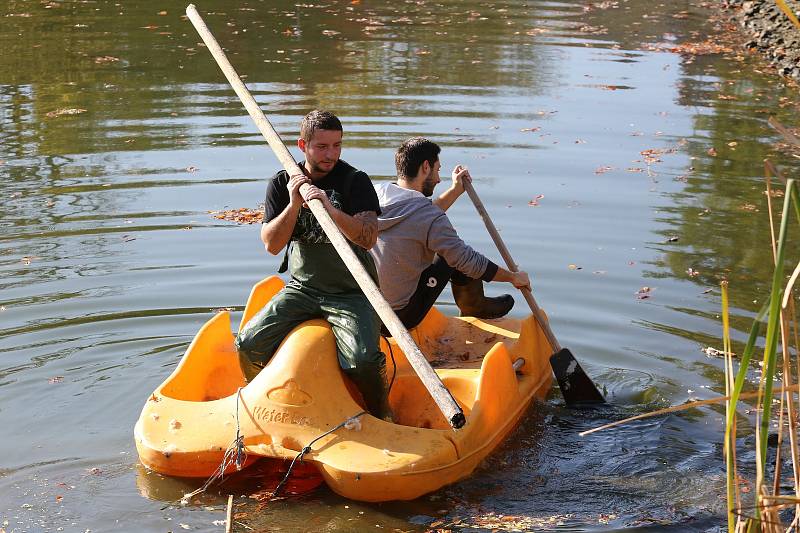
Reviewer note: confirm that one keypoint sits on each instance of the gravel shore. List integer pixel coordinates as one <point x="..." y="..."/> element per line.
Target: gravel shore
<point x="770" y="31"/>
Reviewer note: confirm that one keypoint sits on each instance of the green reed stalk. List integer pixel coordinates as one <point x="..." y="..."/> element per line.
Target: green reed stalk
<point x="729" y="446"/>
<point x="773" y="324"/>
<point x="744" y="363"/>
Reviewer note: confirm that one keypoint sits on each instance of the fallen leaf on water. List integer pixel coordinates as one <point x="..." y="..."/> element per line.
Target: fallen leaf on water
<point x="56" y="379"/>
<point x="65" y="111"/>
<point x="713" y="352"/>
<point x="748" y="207"/>
<point x="603" y="170"/>
<point x="530" y="129"/>
<point x="712" y="152"/>
<point x="162" y="13"/>
<point x="105" y="59"/>
<point x="643" y="293"/>
<point x="242" y="215"/>
<point x="330" y="33"/>
<point x="535" y="201"/>
<point x="574" y="267"/>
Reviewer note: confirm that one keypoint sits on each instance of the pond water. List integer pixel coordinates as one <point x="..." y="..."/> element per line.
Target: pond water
<point x="608" y="162"/>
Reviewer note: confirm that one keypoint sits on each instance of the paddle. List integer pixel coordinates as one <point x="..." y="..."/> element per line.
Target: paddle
<point x="444" y="400"/>
<point x="575" y="385"/>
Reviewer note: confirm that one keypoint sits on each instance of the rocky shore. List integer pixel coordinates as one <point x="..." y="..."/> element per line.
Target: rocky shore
<point x="770" y="31"/>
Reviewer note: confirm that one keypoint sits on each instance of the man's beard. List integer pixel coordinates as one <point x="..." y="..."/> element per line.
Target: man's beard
<point x="428" y="185"/>
<point x="316" y="166"/>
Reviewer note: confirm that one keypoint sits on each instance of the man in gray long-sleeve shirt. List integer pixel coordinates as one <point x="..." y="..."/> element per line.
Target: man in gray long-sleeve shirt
<point x="418" y="250"/>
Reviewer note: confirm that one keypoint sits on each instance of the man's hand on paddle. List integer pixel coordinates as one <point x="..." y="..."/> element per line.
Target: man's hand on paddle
<point x="460" y="175"/>
<point x="315" y="193"/>
<point x="295" y="198"/>
<point x="521" y="280"/>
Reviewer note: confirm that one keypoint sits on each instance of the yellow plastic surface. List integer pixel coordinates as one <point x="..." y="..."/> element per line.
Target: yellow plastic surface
<point x="190" y="420"/>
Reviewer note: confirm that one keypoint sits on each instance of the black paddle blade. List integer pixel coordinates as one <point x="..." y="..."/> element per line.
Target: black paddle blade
<point x="575" y="385"/>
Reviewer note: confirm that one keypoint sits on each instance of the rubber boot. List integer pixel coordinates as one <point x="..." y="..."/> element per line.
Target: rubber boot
<point x="471" y="301"/>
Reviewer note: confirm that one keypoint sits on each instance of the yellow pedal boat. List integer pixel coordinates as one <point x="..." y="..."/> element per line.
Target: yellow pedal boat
<point x="192" y="418"/>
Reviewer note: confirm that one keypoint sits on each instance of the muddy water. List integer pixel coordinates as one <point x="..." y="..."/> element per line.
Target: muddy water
<point x="118" y="135"/>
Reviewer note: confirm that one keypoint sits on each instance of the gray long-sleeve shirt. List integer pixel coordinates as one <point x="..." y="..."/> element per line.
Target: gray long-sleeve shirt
<point x="411" y="230"/>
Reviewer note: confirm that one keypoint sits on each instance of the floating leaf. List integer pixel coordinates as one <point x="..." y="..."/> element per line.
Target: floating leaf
<point x="65" y="111"/>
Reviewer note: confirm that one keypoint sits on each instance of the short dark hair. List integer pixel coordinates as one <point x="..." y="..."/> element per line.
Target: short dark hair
<point x="319" y="119"/>
<point x="412" y="153"/>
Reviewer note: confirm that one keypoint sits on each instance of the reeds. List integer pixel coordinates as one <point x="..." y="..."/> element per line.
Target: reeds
<point x="781" y="331"/>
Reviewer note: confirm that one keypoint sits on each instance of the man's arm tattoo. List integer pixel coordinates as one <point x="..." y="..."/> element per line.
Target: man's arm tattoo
<point x="368" y="234"/>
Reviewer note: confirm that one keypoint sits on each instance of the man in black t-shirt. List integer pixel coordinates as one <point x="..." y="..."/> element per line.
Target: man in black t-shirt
<point x="321" y="285"/>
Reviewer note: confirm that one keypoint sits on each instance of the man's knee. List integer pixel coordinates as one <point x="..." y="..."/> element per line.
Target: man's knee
<point x="369" y="357"/>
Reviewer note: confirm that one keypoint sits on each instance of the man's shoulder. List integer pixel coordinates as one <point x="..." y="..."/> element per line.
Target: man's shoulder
<point x="281" y="177"/>
<point x="345" y="169"/>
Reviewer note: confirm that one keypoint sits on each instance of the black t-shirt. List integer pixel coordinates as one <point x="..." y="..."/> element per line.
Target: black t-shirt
<point x="312" y="259"/>
<point x="346" y="186"/>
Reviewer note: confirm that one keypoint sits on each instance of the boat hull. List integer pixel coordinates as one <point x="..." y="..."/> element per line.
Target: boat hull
<point x="192" y="418"/>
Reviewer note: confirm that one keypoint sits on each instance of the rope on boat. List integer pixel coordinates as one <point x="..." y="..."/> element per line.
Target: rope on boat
<point x="234" y="455"/>
<point x="350" y="423"/>
<point x="394" y="366"/>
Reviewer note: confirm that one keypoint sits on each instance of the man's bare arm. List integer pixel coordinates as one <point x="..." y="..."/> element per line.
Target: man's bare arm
<point x="361" y="228"/>
<point x="448" y="197"/>
<point x="276" y="233"/>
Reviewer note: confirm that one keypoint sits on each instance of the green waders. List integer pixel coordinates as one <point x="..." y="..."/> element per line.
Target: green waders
<point x="355" y="325"/>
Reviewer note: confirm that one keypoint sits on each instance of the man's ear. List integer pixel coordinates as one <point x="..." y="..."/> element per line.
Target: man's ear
<point x="301" y="143"/>
<point x="425" y="167"/>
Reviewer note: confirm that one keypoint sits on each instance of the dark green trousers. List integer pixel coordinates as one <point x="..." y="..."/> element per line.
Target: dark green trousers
<point x="355" y="325"/>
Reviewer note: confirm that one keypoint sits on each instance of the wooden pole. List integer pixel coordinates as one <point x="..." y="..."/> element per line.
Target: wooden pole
<point x="427" y="375"/>
<point x="512" y="266"/>
<point x="576" y="386"/>
<point x="229" y="515"/>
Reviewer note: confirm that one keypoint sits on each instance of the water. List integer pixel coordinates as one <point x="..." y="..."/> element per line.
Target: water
<point x="110" y="260"/>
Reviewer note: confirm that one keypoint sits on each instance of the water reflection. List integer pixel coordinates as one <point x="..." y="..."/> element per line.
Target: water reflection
<point x="119" y="135"/>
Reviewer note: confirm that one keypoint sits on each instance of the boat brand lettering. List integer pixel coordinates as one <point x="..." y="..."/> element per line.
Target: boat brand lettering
<point x="279" y="416"/>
